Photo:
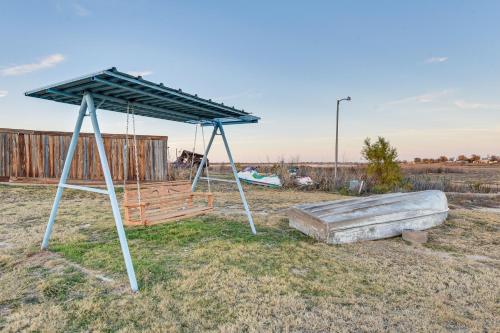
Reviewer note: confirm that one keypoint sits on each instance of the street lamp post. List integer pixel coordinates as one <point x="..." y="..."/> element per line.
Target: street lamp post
<point x="348" y="98"/>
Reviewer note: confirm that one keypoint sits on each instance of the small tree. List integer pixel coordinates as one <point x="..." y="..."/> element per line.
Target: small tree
<point x="475" y="157"/>
<point x="417" y="160"/>
<point x="382" y="164"/>
<point x="443" y="158"/>
<point x="461" y="158"/>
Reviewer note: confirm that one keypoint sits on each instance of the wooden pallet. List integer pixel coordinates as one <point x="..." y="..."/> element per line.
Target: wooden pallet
<point x="164" y="202"/>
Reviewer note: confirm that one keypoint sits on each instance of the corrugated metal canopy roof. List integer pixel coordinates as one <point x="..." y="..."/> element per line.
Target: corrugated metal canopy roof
<point x="113" y="90"/>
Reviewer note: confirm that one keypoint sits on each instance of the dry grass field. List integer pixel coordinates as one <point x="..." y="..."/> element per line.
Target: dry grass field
<point x="211" y="274"/>
<point x="449" y="177"/>
<point x="454" y="177"/>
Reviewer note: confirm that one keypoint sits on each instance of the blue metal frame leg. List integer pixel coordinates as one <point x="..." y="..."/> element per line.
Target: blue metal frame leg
<point x="218" y="126"/>
<point x="204" y="160"/>
<point x="88" y="104"/>
<point x="112" y="195"/>
<point x="235" y="173"/>
<point x="64" y="174"/>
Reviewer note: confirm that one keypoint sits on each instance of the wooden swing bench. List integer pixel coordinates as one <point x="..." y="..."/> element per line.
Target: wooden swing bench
<point x="163" y="202"/>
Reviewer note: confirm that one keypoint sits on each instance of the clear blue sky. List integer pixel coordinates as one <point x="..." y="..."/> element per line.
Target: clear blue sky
<point x="424" y="74"/>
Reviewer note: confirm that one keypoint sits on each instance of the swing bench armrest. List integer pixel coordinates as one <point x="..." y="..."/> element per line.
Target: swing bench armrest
<point x="208" y="195"/>
<point x="136" y="205"/>
<point x="202" y="194"/>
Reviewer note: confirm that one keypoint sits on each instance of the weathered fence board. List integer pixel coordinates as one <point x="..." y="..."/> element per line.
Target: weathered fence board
<point x="38" y="154"/>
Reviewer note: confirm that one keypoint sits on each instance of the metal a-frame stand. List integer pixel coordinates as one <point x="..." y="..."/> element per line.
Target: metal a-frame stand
<point x="88" y="105"/>
<point x="218" y="127"/>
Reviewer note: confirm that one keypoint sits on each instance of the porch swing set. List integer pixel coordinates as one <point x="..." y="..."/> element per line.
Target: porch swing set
<point x="153" y="203"/>
<point x="162" y="201"/>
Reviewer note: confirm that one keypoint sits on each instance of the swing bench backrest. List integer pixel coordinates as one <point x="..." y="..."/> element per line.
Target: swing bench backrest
<point x="164" y="202"/>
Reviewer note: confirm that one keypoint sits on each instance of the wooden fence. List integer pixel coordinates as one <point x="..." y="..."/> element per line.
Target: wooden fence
<point x="41" y="155"/>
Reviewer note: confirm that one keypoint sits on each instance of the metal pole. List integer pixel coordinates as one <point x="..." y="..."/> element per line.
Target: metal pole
<point x="112" y="195"/>
<point x="64" y="174"/>
<point x="235" y="173"/>
<point x="204" y="160"/>
<point x="337" y="142"/>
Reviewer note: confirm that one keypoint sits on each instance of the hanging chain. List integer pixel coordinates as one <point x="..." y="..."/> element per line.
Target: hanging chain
<point x="206" y="161"/>
<point x="136" y="159"/>
<point x="125" y="151"/>
<point x="192" y="153"/>
<point x="100" y="104"/>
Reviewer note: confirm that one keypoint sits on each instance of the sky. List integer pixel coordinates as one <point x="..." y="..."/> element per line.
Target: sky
<point x="423" y="74"/>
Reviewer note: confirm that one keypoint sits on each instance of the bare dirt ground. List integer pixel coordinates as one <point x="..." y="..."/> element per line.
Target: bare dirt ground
<point x="211" y="274"/>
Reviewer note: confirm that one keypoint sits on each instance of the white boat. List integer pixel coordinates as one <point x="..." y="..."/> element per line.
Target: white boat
<point x="253" y="177"/>
<point x="368" y="218"/>
<point x="303" y="181"/>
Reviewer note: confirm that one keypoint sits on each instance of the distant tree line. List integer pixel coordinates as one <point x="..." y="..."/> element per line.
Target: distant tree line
<point x="460" y="158"/>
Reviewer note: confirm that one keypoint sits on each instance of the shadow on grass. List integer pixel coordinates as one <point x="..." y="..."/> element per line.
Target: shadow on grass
<point x="159" y="252"/>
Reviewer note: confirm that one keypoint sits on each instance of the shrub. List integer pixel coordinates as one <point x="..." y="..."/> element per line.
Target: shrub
<point x="475" y="157"/>
<point x="382" y="165"/>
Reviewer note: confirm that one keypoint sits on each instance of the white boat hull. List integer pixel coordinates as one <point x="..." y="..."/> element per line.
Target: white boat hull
<point x="369" y="218"/>
<point x="253" y="177"/>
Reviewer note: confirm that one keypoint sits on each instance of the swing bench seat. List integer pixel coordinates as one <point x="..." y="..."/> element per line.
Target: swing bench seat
<point x="164" y="202"/>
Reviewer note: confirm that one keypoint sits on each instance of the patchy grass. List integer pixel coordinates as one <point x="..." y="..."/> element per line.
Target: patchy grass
<point x="468" y="232"/>
<point x="161" y="251"/>
<point x="210" y="273"/>
<point x="59" y="288"/>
